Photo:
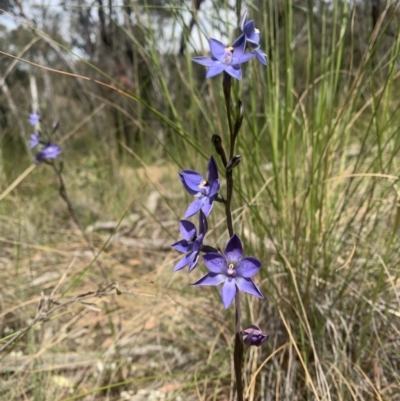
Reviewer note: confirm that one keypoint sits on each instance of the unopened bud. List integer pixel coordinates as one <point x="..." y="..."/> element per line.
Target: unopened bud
<point x="233" y="162"/>
<point x="217" y="143"/>
<point x="216" y="140"/>
<point x="253" y="335"/>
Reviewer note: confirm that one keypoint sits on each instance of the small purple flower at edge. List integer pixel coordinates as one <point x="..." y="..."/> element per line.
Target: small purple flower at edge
<point x="233" y="270"/>
<point x="252" y="35"/>
<point x="48" y="152"/>
<point x="34" y="140"/>
<point x="204" y="190"/>
<point x="252" y="335"/>
<point x="225" y="58"/>
<point x="34" y="118"/>
<point x="191" y="243"/>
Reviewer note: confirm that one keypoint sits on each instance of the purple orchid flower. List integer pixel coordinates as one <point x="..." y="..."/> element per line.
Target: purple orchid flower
<point x="50" y="151"/>
<point x="252" y="34"/>
<point x="225" y="58"/>
<point x="253" y="335"/>
<point x="233" y="270"/>
<point x="35" y="138"/>
<point x="191" y="244"/>
<point x="204" y="190"/>
<point x="252" y="38"/>
<point x="34" y="118"/>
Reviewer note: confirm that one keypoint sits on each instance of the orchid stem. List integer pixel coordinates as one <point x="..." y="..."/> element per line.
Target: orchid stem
<point x="227" y="85"/>
<point x="65" y="198"/>
<point x="238" y="350"/>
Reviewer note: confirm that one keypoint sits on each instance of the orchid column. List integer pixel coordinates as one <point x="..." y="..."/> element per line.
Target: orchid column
<point x="229" y="268"/>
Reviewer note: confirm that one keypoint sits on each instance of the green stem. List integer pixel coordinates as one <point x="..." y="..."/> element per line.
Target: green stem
<point x="65" y="198"/>
<point x="227" y="85"/>
<point x="238" y="350"/>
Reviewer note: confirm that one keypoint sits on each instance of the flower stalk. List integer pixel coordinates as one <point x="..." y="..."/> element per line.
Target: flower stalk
<point x="217" y="142"/>
<point x="47" y="153"/>
<point x="229" y="268"/>
<point x="238" y="350"/>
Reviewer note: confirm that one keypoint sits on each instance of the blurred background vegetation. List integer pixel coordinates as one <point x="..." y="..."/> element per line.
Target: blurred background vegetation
<point x="316" y="199"/>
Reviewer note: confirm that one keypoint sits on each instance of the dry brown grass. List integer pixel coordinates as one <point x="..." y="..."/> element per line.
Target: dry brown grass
<point x="147" y="336"/>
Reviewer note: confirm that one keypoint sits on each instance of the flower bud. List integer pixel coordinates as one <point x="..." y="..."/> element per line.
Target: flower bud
<point x="253" y="335"/>
<point x="216" y="140"/>
<point x="233" y="162"/>
<point x="217" y="143"/>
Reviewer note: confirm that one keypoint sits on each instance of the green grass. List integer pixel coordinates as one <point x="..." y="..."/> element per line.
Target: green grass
<point x="314" y="200"/>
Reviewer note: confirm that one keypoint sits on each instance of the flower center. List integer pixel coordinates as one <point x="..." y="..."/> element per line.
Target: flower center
<point x="231" y="270"/>
<point x="256" y="30"/>
<point x="204" y="187"/>
<point x="228" y="56"/>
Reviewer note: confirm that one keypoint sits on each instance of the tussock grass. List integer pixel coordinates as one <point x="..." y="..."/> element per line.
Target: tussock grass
<point x="314" y="199"/>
